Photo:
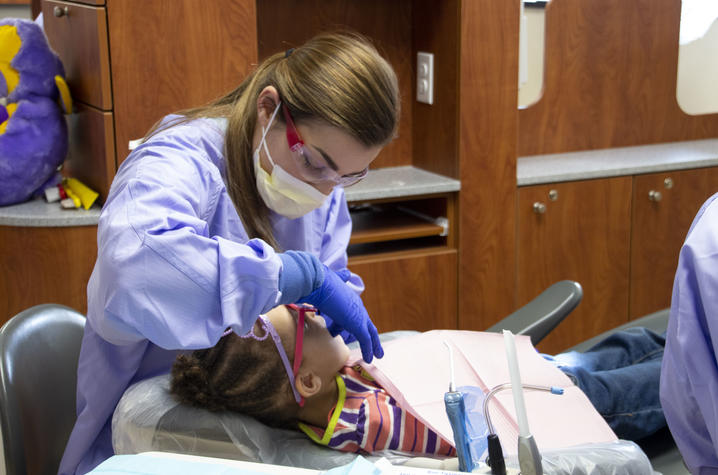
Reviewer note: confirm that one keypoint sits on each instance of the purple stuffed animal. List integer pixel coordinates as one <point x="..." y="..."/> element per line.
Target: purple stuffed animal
<point x="33" y="100"/>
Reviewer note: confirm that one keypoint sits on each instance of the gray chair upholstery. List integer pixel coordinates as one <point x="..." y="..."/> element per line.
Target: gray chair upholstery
<point x="541" y="315"/>
<point x="39" y="350"/>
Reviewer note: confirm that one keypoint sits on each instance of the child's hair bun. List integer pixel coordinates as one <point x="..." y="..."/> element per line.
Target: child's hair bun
<point x="190" y="383"/>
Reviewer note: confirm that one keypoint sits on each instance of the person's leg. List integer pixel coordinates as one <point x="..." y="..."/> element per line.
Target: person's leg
<point x="620" y="377"/>
<point x="624" y="348"/>
<point x="627" y="397"/>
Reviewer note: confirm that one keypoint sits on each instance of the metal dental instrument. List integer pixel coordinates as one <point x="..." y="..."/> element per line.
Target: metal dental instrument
<point x="456" y="411"/>
<point x="529" y="456"/>
<point x="496" y="456"/>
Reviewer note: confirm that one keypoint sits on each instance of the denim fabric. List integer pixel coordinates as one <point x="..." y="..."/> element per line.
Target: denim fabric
<point x="620" y="376"/>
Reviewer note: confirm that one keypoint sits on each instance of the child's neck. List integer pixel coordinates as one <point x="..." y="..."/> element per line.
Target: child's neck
<point x="316" y="409"/>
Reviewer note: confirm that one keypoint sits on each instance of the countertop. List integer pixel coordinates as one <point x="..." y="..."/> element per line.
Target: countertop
<point x="400" y="182"/>
<point x="552" y="168"/>
<point x="390" y="182"/>
<point x="40" y="213"/>
<point x="408" y="181"/>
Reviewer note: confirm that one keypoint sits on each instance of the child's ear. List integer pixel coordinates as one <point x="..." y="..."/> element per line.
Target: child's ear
<point x="308" y="383"/>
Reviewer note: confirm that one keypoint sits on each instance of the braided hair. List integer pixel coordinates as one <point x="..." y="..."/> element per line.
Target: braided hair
<point x="242" y="375"/>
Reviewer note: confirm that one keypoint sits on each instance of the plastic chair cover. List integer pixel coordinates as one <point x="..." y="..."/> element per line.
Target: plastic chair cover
<point x="148" y="418"/>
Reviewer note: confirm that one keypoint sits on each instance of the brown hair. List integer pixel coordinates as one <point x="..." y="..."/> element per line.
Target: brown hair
<point x="337" y="78"/>
<point x="243" y="375"/>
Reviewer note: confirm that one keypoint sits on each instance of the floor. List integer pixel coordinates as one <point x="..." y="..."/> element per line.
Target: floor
<point x="663" y="453"/>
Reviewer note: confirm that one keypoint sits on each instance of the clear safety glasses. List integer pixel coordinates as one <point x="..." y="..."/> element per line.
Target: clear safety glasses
<point x="310" y="167"/>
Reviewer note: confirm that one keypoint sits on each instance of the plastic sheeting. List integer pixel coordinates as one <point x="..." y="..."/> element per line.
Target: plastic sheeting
<point x="148" y="418"/>
<point x="622" y="457"/>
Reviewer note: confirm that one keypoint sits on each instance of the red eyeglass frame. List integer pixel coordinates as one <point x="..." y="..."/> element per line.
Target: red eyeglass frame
<point x="301" y="151"/>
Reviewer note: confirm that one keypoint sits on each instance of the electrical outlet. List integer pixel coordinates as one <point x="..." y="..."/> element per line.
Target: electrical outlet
<point x="425" y="77"/>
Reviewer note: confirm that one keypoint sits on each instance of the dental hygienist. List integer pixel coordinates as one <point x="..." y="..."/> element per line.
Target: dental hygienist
<point x="226" y="211"/>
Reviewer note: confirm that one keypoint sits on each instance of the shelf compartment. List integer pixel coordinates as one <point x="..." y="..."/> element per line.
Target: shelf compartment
<point x="390" y="223"/>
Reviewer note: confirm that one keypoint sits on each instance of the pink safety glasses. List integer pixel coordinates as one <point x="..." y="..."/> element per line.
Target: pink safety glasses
<point x="308" y="163"/>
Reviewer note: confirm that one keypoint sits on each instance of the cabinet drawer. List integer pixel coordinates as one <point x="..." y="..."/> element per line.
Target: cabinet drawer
<point x="415" y="290"/>
<point x="79" y="37"/>
<point x="91" y="157"/>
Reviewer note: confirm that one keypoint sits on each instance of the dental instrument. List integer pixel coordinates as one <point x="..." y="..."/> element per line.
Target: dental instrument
<point x="496" y="455"/>
<point x="529" y="456"/>
<point x="456" y="411"/>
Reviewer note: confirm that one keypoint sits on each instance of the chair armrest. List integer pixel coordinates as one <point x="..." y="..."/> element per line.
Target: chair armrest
<point x="541" y="315"/>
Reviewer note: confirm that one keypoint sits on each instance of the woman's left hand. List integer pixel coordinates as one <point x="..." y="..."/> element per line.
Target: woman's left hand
<point x="346" y="310"/>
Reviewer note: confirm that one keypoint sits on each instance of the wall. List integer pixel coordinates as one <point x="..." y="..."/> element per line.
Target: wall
<point x="15" y="11"/>
<point x="698" y="74"/>
<point x="530" y="92"/>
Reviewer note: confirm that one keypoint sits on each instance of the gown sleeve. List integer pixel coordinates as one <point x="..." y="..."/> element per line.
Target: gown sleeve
<point x="335" y="238"/>
<point x="689" y="375"/>
<point x="160" y="274"/>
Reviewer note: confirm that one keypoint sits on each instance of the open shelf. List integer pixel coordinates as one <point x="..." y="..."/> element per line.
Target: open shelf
<point x="388" y="223"/>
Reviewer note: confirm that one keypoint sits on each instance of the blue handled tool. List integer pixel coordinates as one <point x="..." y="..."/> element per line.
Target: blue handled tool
<point x="456" y="411"/>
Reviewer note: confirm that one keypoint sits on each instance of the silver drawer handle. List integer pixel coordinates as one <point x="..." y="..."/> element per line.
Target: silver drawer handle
<point x="60" y="11"/>
<point x="539" y="207"/>
<point x="654" y="195"/>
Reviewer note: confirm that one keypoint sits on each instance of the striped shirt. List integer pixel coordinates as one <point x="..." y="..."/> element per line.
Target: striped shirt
<point x="366" y="419"/>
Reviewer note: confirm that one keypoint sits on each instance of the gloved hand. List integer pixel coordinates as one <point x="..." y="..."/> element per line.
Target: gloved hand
<point x="343" y="306"/>
<point x="346" y="336"/>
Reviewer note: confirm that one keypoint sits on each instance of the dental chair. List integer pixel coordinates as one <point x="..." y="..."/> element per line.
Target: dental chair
<point x="148" y="418"/>
<point x="39" y="350"/>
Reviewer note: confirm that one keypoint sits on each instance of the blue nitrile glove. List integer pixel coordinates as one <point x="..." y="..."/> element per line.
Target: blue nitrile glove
<point x="305" y="279"/>
<point x="345" y="275"/>
<point x="346" y="336"/>
<point x="340" y="303"/>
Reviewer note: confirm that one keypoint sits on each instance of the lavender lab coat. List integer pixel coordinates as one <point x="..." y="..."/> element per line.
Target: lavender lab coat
<point x="689" y="374"/>
<point x="174" y="269"/>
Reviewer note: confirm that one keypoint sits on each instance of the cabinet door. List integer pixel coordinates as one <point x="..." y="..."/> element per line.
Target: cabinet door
<point x="79" y="36"/>
<point x="45" y="265"/>
<point x="174" y="55"/>
<point x="91" y="156"/>
<point x="410" y="291"/>
<point x="664" y="205"/>
<point x="578" y="231"/>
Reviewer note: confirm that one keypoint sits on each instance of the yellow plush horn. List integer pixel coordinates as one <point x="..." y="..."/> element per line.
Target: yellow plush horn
<point x="65" y="98"/>
<point x="9" y="46"/>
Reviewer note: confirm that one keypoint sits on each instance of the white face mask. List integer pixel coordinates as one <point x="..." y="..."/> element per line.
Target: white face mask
<point x="282" y="192"/>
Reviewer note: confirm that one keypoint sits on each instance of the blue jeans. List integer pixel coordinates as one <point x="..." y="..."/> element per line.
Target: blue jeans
<point x="620" y="377"/>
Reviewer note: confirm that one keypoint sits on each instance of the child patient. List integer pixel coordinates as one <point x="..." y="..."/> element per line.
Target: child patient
<point x="290" y="372"/>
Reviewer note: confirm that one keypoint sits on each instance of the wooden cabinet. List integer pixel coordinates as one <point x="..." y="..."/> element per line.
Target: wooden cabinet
<point x="410" y="290"/>
<point x="129" y="63"/>
<point x="578" y="231"/>
<point x="618" y="237"/>
<point x="45" y="265"/>
<point x="405" y="251"/>
<point x="664" y="205"/>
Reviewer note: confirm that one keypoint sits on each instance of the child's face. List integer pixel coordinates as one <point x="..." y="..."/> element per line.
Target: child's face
<point x="324" y="354"/>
